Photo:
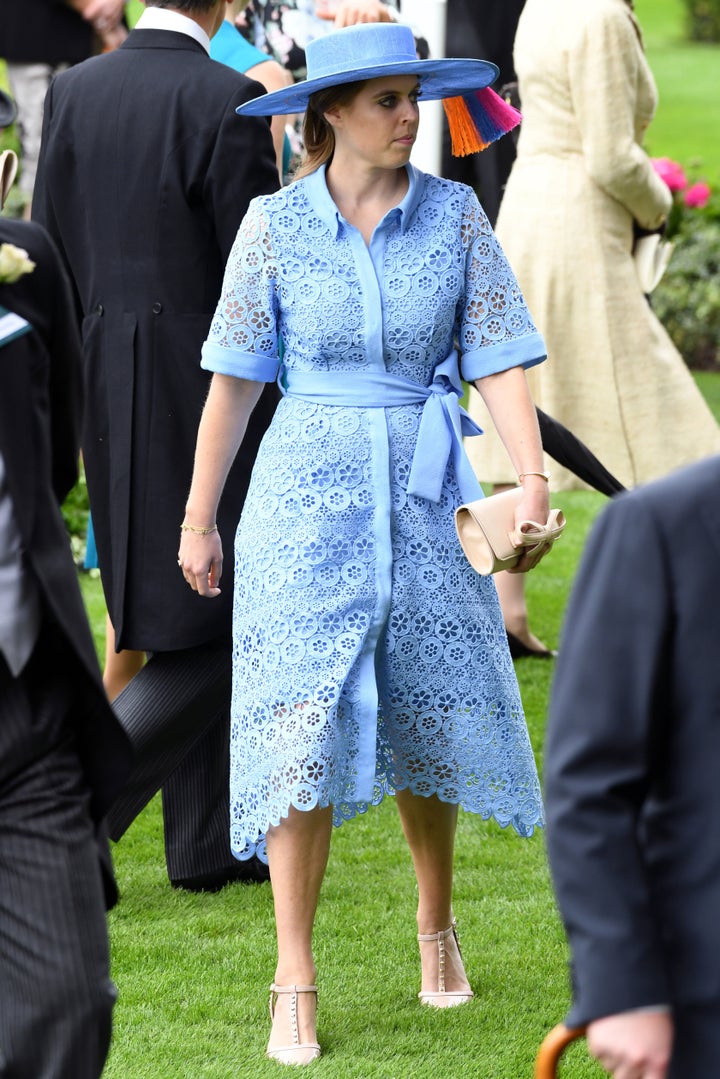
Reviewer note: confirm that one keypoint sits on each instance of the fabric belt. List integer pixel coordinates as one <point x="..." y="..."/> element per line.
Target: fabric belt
<point x="443" y="423"/>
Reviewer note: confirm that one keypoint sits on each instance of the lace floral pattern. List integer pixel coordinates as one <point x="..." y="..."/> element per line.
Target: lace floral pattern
<point x="369" y="657"/>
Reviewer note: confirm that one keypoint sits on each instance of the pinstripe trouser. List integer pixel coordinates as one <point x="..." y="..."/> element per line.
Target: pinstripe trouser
<point x="176" y="712"/>
<point x="56" y="997"/>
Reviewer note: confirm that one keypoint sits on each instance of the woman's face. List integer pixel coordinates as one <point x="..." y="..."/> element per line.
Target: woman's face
<point x="379" y="126"/>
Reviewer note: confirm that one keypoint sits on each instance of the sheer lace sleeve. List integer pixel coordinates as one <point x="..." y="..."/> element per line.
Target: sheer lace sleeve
<point x="496" y="330"/>
<point x="243" y="338"/>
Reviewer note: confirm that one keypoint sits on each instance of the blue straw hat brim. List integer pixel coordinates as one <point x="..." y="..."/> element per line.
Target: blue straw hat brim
<point x="371" y="51"/>
<point x="438" y="79"/>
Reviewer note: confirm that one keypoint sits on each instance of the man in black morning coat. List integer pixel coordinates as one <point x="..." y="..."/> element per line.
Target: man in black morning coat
<point x="145" y="174"/>
<point x="63" y="755"/>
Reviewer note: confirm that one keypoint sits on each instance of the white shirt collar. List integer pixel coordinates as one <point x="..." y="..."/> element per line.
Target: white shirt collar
<point x="158" y="18"/>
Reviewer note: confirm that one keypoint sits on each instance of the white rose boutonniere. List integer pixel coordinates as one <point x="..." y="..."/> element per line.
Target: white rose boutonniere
<point x="14" y="262"/>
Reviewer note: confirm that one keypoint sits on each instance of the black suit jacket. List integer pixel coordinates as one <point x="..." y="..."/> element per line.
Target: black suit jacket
<point x="145" y="174"/>
<point x="632" y="759"/>
<point x="486" y="30"/>
<point x="40" y="403"/>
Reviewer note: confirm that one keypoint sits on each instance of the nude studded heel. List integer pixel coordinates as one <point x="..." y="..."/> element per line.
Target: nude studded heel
<point x="441" y="998"/>
<point x="297" y="1052"/>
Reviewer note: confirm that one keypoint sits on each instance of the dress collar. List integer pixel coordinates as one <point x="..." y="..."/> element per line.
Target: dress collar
<point x="317" y="192"/>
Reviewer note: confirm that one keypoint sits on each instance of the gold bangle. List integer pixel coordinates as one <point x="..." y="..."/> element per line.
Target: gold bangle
<point x="198" y="531"/>
<point x="543" y="475"/>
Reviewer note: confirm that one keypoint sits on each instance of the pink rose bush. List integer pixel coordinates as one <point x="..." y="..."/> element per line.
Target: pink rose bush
<point x="688" y="197"/>
<point x="697" y="196"/>
<point x="687" y="300"/>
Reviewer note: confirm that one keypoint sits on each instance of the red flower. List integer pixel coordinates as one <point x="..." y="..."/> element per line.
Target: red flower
<point x="697" y="196"/>
<point x="670" y="172"/>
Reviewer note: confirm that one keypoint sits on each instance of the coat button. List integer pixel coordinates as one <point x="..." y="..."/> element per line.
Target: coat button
<point x="156" y="308"/>
<point x="100" y="310"/>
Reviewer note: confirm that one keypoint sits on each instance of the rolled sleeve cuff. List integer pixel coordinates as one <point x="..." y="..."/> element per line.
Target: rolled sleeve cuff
<point x="248" y="365"/>
<point x="491" y="359"/>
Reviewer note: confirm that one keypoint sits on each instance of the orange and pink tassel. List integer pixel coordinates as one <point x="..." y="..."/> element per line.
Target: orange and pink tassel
<point x="477" y="120"/>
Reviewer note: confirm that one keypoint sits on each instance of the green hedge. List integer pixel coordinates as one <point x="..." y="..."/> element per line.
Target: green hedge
<point x="703" y="20"/>
<point x="687" y="300"/>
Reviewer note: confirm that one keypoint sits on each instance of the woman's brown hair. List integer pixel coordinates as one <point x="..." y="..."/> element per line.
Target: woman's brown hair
<point x="318" y="135"/>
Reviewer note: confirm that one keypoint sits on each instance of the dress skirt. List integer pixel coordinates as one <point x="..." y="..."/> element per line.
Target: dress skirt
<point x="369" y="655"/>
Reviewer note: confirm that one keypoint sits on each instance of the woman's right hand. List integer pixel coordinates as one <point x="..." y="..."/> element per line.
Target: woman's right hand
<point x="200" y="558"/>
<point x="228" y="406"/>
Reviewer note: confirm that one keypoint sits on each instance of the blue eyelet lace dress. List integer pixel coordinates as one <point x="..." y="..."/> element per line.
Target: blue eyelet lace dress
<point x="368" y="655"/>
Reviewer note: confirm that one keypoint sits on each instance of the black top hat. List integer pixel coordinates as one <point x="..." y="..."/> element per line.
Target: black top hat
<point x="8" y="111"/>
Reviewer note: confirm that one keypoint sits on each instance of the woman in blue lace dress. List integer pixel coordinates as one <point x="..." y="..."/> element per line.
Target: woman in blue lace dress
<point x="370" y="659"/>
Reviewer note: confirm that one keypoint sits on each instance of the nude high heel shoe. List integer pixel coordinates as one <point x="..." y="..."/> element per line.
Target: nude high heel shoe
<point x="297" y="1052"/>
<point x="441" y="998"/>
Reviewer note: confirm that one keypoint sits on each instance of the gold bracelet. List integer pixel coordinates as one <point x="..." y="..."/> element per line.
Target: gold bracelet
<point x="198" y="531"/>
<point x="543" y="475"/>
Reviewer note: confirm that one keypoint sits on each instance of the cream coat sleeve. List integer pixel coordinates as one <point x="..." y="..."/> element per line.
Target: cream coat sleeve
<point x="604" y="67"/>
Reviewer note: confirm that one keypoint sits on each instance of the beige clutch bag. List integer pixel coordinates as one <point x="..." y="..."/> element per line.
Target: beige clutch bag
<point x="486" y="530"/>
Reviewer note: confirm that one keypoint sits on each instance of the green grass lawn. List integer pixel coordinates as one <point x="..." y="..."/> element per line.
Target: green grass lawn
<point x="193" y="970"/>
<point x="687" y="124"/>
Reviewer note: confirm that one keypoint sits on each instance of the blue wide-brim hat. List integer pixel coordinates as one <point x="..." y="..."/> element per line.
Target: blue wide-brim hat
<point x="368" y="51"/>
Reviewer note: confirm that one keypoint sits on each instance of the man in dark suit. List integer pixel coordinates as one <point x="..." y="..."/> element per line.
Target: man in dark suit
<point x="145" y="174"/>
<point x="63" y="755"/>
<point x="631" y="777"/>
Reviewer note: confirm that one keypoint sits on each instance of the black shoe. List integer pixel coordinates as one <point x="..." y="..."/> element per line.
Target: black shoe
<point x="252" y="871"/>
<point x="519" y="650"/>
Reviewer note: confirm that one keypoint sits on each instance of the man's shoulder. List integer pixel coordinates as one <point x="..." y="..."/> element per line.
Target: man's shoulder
<point x="178" y="73"/>
<point x="20" y="232"/>
<point x="201" y="74"/>
<point x="666" y="505"/>
<point x="155" y="48"/>
<point x="34" y="295"/>
<point x="683" y="484"/>
<point x="33" y="238"/>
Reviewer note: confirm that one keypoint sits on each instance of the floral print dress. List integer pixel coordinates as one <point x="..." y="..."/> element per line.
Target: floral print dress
<point x="368" y="655"/>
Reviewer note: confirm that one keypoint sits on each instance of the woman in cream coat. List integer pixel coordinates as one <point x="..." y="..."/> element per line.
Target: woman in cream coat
<point x="580" y="181"/>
